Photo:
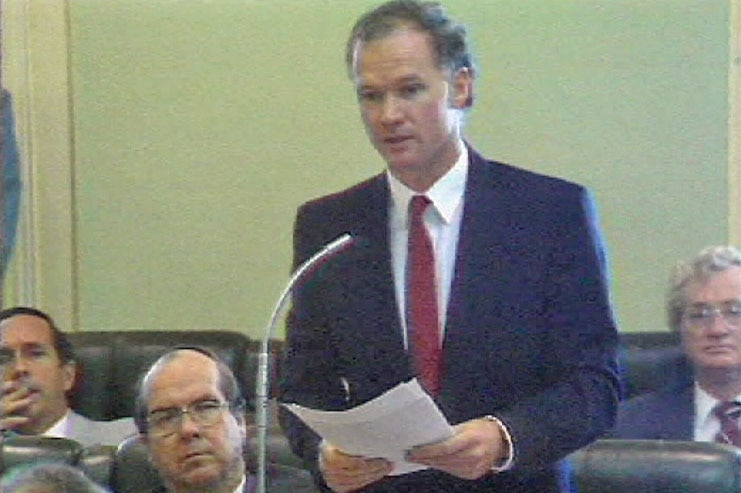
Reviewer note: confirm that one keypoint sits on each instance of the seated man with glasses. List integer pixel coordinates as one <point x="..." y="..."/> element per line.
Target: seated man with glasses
<point x="190" y="416"/>
<point x="704" y="305"/>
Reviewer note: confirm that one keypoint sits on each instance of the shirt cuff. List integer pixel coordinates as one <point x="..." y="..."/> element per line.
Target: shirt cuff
<point x="508" y="460"/>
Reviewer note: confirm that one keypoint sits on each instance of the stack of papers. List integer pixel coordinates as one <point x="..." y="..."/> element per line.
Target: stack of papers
<point x="387" y="426"/>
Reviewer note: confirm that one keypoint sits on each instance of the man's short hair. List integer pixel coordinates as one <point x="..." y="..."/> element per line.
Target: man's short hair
<point x="449" y="37"/>
<point x="44" y="477"/>
<point x="61" y="343"/>
<point x="228" y="385"/>
<point x="709" y="262"/>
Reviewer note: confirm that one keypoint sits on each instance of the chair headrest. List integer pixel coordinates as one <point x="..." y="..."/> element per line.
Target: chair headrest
<point x="657" y="466"/>
<point x="132" y="471"/>
<point x="22" y="449"/>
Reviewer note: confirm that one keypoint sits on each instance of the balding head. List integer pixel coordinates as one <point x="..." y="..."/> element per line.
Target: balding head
<point x="189" y="418"/>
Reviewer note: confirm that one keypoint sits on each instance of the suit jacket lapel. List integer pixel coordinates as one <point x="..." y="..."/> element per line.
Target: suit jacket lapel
<point x="477" y="252"/>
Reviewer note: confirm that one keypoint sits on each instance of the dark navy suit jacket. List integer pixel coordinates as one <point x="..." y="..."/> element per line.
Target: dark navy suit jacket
<point x="530" y="335"/>
<point x="667" y="414"/>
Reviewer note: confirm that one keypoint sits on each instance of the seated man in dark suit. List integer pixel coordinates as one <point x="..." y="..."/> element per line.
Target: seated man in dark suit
<point x="38" y="373"/>
<point x="205" y="452"/>
<point x="704" y="305"/>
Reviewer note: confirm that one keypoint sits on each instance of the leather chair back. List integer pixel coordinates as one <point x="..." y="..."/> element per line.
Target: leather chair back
<point x="96" y="462"/>
<point x="652" y="360"/>
<point x="132" y="471"/>
<point x="110" y="364"/>
<point x="17" y="450"/>
<point x="656" y="466"/>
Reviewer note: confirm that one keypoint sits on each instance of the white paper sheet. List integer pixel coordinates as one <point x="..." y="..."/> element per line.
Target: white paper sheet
<point x="387" y="426"/>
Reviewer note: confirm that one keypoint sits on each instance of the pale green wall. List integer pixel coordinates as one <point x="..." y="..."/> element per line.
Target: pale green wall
<point x="200" y="126"/>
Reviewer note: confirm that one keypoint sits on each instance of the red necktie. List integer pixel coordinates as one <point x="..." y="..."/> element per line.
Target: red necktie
<point x="728" y="413"/>
<point x="422" y="299"/>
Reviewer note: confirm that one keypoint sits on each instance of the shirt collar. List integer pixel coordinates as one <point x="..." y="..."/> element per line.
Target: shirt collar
<point x="240" y="488"/>
<point x="446" y="194"/>
<point x="704" y="403"/>
<point x="58" y="429"/>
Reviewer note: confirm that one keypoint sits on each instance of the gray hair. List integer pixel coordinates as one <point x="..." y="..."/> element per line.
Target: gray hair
<point x="47" y="477"/>
<point x="709" y="262"/>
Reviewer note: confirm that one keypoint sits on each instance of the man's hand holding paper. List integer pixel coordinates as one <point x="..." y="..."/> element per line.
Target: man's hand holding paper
<point x="387" y="427"/>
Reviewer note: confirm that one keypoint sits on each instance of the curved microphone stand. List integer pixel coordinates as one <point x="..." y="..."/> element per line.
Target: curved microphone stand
<point x="261" y="390"/>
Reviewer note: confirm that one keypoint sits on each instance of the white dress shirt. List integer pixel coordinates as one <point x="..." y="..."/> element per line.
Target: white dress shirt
<point x="59" y="429"/>
<point x="443" y="221"/>
<point x="707" y="425"/>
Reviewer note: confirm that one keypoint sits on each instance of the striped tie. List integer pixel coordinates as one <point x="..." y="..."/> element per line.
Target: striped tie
<point x="728" y="413"/>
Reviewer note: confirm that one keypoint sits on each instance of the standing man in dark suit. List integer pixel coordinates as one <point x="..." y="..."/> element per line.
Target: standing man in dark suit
<point x="704" y="306"/>
<point x="523" y="365"/>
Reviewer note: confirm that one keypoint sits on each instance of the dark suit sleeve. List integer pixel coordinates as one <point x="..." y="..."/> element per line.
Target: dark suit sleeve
<point x="573" y="389"/>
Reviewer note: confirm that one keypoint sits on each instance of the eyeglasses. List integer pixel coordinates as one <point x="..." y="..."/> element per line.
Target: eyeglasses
<point x="703" y="317"/>
<point x="164" y="422"/>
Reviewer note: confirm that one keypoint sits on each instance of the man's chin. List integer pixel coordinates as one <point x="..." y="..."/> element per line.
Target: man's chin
<point x="200" y="472"/>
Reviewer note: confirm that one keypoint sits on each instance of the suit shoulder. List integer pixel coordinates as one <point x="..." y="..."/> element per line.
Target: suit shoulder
<point x="505" y="175"/>
<point x="516" y="177"/>
<point x="90" y="432"/>
<point x="354" y="194"/>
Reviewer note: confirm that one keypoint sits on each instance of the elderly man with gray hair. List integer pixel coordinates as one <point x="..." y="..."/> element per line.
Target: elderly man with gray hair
<point x="704" y="306"/>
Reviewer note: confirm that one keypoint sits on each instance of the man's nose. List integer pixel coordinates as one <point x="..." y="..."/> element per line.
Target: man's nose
<point x="188" y="426"/>
<point x="719" y="324"/>
<point x="390" y="109"/>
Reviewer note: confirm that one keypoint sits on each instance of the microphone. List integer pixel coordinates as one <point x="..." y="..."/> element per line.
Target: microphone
<point x="261" y="391"/>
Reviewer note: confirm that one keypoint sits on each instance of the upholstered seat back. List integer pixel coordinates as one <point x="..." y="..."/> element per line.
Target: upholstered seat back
<point x="656" y="466"/>
<point x="96" y="462"/>
<point x="650" y="361"/>
<point x="110" y="364"/>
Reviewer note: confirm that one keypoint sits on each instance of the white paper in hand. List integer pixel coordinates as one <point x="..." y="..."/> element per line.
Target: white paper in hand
<point x="387" y="426"/>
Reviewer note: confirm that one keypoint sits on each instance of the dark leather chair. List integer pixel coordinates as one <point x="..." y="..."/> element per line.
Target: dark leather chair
<point x="132" y="471"/>
<point x="656" y="466"/>
<point x="650" y="361"/>
<point x="17" y="450"/>
<point x="110" y="364"/>
<point x="96" y="462"/>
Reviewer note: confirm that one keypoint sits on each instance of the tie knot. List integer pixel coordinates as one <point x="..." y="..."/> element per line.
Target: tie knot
<point x="728" y="409"/>
<point x="418" y="205"/>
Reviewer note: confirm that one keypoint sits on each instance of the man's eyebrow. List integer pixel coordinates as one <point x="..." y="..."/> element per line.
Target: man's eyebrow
<point x="36" y="345"/>
<point x="198" y="400"/>
<point x="406" y="79"/>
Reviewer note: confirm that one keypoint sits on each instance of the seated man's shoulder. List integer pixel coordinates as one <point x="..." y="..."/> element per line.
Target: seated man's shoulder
<point x="91" y="432"/>
<point x="657" y="399"/>
<point x="666" y="413"/>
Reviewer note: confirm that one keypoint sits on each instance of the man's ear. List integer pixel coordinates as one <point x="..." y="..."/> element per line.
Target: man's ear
<point x="69" y="372"/>
<point x="463" y="88"/>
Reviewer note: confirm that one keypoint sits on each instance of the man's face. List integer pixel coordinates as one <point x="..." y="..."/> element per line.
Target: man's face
<point x="713" y="345"/>
<point x="195" y="457"/>
<point x="410" y="106"/>
<point x="36" y="372"/>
